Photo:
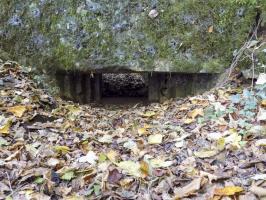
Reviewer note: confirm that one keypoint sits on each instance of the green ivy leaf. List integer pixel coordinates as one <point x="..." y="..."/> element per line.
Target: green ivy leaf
<point x="3" y="142"/>
<point x="102" y="157"/>
<point x="39" y="180"/>
<point x="68" y="176"/>
<point x="96" y="189"/>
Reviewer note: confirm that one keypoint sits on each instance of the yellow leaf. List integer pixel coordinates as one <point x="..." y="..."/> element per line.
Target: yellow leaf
<point x="144" y="168"/>
<point x="189" y="121"/>
<point x="18" y="111"/>
<point x="197" y="101"/>
<point x="228" y="191"/>
<point x="62" y="149"/>
<point x="148" y="114"/>
<point x="210" y="29"/>
<point x="112" y="156"/>
<point x="132" y="168"/>
<point x="5" y="128"/>
<point x="233" y="139"/>
<point x="183" y="107"/>
<point x="221" y="144"/>
<point x="74" y="197"/>
<point x="155" y="139"/>
<point x="263" y="103"/>
<point x="205" y="153"/>
<point x="142" y="131"/>
<point x="126" y="183"/>
<point x="196" y="112"/>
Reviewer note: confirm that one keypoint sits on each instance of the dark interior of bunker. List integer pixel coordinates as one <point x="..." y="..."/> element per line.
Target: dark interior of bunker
<point x="124" y="85"/>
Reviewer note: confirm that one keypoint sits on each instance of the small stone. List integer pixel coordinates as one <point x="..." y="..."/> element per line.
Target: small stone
<point x="153" y="13"/>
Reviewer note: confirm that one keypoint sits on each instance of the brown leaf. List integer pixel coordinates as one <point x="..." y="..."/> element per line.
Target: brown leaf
<point x="210" y="29"/>
<point x="114" y="176"/>
<point x="188" y="189"/>
<point x="195" y="113"/>
<point x="259" y="191"/>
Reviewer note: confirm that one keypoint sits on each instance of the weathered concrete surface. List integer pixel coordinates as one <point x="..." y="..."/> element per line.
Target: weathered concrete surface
<point x="141" y="35"/>
<point x="155" y="86"/>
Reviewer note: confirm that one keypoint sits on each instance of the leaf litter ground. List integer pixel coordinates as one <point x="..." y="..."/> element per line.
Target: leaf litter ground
<point x="210" y="146"/>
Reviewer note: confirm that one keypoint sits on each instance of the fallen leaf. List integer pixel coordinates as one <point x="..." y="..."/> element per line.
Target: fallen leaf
<point x="68" y="175"/>
<point x="263" y="103"/>
<point x="233" y="139"/>
<point x="261" y="79"/>
<point x="211" y="177"/>
<point x="142" y="131"/>
<point x="148" y="114"/>
<point x="259" y="191"/>
<point x="39" y="180"/>
<point x="52" y="162"/>
<point x="132" y="168"/>
<point x="189" y="121"/>
<point x="3" y="142"/>
<point x="205" y="153"/>
<point x="126" y="183"/>
<point x="214" y="136"/>
<point x="184" y="107"/>
<point x="188" y="189"/>
<point x="14" y="155"/>
<point x="261" y="142"/>
<point x="248" y="196"/>
<point x="179" y="144"/>
<point x="18" y="111"/>
<point x="259" y="177"/>
<point x="106" y="139"/>
<point x="195" y="113"/>
<point x="114" y="176"/>
<point x="157" y="163"/>
<point x="102" y="157"/>
<point x="74" y="197"/>
<point x="91" y="158"/>
<point x="228" y="190"/>
<point x="62" y="149"/>
<point x="155" y="139"/>
<point x="31" y="149"/>
<point x="112" y="156"/>
<point x="144" y="168"/>
<point x="4" y="129"/>
<point x="131" y="145"/>
<point x="73" y="112"/>
<point x="220" y="144"/>
<point x="210" y="29"/>
<point x="36" y="195"/>
<point x="261" y="115"/>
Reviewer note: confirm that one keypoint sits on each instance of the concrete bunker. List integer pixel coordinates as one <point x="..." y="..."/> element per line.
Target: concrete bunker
<point x="84" y="40"/>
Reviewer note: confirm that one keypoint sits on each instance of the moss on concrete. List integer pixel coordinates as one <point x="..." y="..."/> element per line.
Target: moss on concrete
<point x="187" y="36"/>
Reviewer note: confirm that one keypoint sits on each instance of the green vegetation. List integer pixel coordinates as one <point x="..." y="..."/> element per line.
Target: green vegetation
<point x="186" y="36"/>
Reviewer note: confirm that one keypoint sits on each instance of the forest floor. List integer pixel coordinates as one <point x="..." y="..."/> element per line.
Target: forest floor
<point x="210" y="146"/>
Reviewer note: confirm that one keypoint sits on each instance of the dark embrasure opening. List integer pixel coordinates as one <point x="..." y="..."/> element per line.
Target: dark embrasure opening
<point x="124" y="85"/>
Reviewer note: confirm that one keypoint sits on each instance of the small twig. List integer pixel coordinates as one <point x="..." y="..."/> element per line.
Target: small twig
<point x="241" y="51"/>
<point x="253" y="69"/>
<point x="9" y="183"/>
<point x="253" y="63"/>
